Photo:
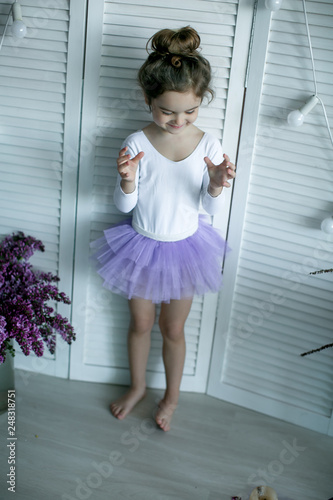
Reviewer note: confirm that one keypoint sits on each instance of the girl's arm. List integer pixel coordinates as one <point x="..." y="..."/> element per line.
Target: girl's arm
<point x="126" y="192"/>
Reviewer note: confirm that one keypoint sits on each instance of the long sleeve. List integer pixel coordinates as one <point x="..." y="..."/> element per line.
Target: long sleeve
<point x="211" y="204"/>
<point x="125" y="202"/>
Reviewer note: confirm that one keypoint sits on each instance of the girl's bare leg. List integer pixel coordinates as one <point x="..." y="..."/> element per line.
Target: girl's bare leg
<point x="172" y="321"/>
<point x="142" y="320"/>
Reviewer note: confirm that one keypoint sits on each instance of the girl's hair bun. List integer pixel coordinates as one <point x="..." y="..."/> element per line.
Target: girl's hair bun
<point x="175" y="64"/>
<point x="184" y="41"/>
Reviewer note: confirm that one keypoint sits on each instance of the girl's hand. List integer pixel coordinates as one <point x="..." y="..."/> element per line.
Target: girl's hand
<point x="127" y="167"/>
<point x="219" y="175"/>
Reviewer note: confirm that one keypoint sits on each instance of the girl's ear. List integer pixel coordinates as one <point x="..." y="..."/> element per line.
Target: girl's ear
<point x="147" y="102"/>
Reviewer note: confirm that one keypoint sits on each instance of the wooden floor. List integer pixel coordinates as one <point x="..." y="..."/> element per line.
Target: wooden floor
<point x="70" y="447"/>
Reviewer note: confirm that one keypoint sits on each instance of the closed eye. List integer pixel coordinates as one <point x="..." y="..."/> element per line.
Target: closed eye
<point x="169" y="113"/>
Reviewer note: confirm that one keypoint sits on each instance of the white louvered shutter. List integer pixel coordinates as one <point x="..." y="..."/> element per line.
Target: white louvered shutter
<point x="113" y="107"/>
<point x="278" y="310"/>
<point x="37" y="123"/>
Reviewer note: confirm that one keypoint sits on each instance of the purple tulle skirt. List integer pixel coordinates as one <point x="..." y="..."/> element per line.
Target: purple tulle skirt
<point x="134" y="265"/>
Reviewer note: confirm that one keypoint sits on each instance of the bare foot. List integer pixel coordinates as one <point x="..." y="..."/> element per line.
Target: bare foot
<point x="164" y="414"/>
<point x="122" y="406"/>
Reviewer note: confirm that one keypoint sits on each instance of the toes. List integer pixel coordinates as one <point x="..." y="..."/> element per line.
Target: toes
<point x="162" y="420"/>
<point x="164" y="425"/>
<point x="116" y="411"/>
<point x="113" y="410"/>
<point x="121" y="415"/>
<point x="160" y="423"/>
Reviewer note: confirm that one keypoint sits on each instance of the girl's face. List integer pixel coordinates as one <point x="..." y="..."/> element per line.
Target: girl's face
<point x="174" y="111"/>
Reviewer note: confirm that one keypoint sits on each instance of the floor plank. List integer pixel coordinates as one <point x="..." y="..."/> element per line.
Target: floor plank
<point x="70" y="447"/>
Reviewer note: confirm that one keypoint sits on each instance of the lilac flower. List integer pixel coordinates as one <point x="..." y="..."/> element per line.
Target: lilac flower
<point x="24" y="292"/>
<point x="3" y="332"/>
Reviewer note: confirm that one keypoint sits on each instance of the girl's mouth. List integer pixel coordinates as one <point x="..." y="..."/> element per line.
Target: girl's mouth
<point x="176" y="126"/>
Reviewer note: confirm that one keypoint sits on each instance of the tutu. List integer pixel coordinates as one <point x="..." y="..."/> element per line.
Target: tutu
<point x="134" y="265"/>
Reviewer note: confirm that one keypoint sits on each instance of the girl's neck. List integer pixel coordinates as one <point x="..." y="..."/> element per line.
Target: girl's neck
<point x="175" y="147"/>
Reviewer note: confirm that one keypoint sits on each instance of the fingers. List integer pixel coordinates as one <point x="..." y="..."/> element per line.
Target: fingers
<point x="127" y="166"/>
<point x="138" y="157"/>
<point x="226" y="162"/>
<point x="123" y="151"/>
<point x="221" y="174"/>
<point x="230" y="166"/>
<point x="209" y="163"/>
<point x="125" y="157"/>
<point x="231" y="169"/>
<point x="123" y="163"/>
<point x="231" y="173"/>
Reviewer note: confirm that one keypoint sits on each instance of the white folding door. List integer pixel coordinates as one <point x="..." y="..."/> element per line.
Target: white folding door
<point x="271" y="308"/>
<point x="113" y="107"/>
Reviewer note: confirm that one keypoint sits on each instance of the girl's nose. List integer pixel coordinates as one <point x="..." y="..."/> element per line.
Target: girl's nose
<point x="178" y="119"/>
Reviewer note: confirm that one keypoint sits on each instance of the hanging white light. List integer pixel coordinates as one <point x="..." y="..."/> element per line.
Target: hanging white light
<point x="273" y="4"/>
<point x="19" y="29"/>
<point x="296" y="118"/>
<point x="327" y="225"/>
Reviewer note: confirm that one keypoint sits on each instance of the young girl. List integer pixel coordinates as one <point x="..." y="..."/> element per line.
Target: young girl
<point x="166" y="253"/>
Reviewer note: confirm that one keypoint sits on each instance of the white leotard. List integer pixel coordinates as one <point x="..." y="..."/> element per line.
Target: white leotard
<point x="168" y="194"/>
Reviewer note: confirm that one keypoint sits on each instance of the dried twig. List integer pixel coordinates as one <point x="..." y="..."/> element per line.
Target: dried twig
<point x="317" y="350"/>
<point x="322" y="271"/>
<point x="327" y="345"/>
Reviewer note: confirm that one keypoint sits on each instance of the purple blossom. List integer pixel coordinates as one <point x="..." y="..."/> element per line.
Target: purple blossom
<point x="3" y="331"/>
<point x="24" y="292"/>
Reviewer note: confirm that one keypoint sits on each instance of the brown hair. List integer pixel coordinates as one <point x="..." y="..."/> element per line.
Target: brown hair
<point x="175" y="64"/>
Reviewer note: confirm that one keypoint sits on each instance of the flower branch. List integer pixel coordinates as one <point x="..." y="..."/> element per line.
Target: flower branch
<point x="24" y="295"/>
